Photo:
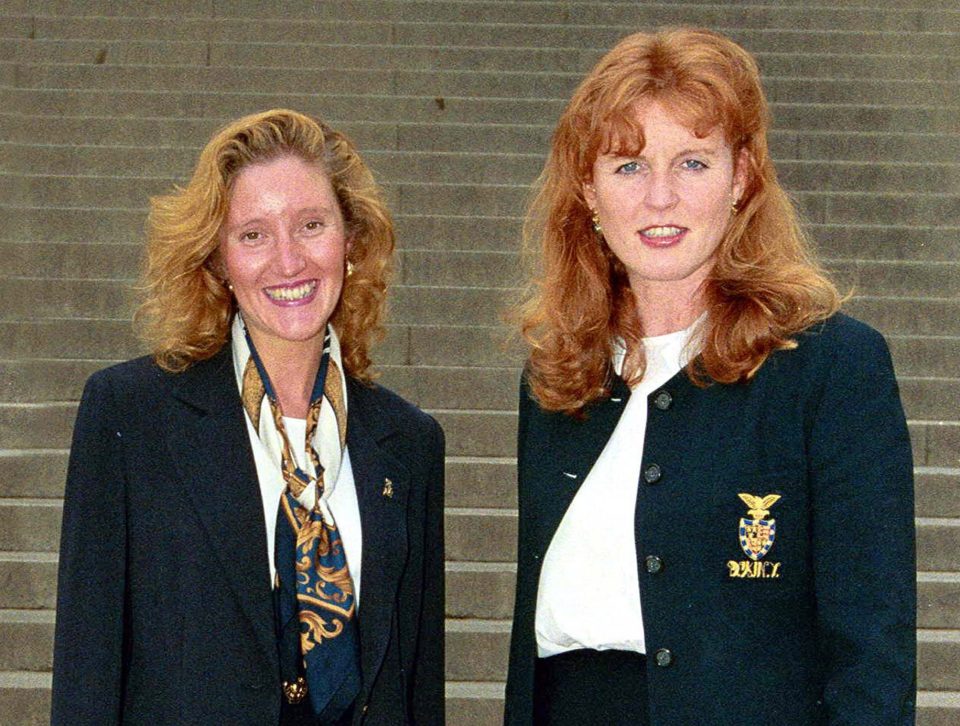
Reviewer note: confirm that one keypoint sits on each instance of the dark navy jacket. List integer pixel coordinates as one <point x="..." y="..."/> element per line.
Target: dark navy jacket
<point x="822" y="630"/>
<point x="164" y="612"/>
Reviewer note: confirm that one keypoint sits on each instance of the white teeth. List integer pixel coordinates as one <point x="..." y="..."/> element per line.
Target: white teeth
<point x="661" y="231"/>
<point x="290" y="293"/>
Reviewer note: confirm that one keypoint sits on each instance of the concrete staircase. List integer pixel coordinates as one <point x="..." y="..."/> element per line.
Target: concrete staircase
<point x="105" y="103"/>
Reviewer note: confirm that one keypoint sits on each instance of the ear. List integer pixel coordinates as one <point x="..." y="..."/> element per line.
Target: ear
<point x="742" y="172"/>
<point x="216" y="264"/>
<point x="590" y="195"/>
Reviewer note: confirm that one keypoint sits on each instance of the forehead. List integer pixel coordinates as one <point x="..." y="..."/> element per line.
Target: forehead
<point x="288" y="176"/>
<point x="653" y="125"/>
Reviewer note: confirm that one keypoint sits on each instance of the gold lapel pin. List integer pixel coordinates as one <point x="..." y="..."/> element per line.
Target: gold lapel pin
<point x="388" y="488"/>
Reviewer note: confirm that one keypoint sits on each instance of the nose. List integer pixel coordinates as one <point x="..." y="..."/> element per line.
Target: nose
<point x="660" y="192"/>
<point x="290" y="257"/>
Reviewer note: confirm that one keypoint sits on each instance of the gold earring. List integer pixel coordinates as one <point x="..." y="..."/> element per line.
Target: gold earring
<point x="229" y="285"/>
<point x="735" y="206"/>
<point x="349" y="268"/>
<point x="597" y="229"/>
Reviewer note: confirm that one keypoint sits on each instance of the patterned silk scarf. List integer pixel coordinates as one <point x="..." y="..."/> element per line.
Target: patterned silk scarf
<point x="314" y="595"/>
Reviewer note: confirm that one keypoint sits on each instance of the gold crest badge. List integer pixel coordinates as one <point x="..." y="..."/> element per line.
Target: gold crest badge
<point x="757" y="534"/>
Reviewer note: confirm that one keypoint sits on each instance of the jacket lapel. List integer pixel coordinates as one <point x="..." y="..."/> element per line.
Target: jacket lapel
<point x="576" y="445"/>
<point x="208" y="443"/>
<point x="382" y="483"/>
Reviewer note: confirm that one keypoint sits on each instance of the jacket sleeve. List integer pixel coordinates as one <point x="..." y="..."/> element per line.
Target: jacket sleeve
<point x="88" y="640"/>
<point x="427" y="680"/>
<point x="861" y="470"/>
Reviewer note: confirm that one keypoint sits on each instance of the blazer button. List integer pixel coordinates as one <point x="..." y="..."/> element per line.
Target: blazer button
<point x="663" y="400"/>
<point x="663" y="657"/>
<point x="652" y="474"/>
<point x="653" y="563"/>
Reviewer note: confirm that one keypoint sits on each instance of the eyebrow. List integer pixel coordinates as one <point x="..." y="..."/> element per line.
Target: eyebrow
<point x="320" y="211"/>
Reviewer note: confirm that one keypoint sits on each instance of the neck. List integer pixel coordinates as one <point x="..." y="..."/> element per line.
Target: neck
<point x="292" y="367"/>
<point x="666" y="310"/>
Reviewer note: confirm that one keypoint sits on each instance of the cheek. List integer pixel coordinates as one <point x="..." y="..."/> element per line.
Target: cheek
<point x="239" y="266"/>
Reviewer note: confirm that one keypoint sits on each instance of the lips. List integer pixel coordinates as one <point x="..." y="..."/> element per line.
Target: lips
<point x="292" y="294"/>
<point x="662" y="235"/>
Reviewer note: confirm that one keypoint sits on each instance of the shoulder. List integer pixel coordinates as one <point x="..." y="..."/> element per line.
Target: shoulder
<point x="374" y="403"/>
<point x="844" y="343"/>
<point x="132" y="379"/>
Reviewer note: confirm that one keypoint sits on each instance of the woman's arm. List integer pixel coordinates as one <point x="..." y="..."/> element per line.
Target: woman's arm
<point x="87" y="663"/>
<point x="427" y="680"/>
<point x="861" y="471"/>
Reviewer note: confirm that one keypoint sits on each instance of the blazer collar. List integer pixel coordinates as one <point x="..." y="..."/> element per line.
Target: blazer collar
<point x="208" y="443"/>
<point x="383" y="484"/>
<point x="578" y="443"/>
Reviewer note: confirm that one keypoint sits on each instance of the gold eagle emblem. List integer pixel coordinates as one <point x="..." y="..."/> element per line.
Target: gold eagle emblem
<point x="759" y="507"/>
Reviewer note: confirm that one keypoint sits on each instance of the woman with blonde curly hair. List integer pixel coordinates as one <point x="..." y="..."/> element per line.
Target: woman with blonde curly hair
<point x="715" y="478"/>
<point x="226" y="494"/>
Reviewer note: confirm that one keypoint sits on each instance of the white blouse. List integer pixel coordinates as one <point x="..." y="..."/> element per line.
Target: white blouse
<point x="589" y="591"/>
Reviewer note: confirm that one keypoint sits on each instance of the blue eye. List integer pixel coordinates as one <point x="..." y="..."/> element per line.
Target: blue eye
<point x="693" y="164"/>
<point x="631" y="167"/>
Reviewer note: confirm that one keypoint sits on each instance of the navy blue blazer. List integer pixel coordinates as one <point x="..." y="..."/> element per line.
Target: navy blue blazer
<point x="819" y="629"/>
<point x="164" y="610"/>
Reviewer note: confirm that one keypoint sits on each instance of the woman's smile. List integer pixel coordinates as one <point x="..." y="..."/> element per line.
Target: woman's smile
<point x="295" y="293"/>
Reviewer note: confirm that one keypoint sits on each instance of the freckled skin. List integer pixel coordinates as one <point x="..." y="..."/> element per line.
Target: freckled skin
<point x="677" y="180"/>
<point x="284" y="234"/>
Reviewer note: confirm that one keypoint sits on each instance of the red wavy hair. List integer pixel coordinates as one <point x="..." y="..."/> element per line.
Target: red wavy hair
<point x="764" y="287"/>
<point x="186" y="309"/>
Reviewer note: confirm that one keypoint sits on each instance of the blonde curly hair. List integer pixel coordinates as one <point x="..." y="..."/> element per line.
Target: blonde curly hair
<point x="186" y="308"/>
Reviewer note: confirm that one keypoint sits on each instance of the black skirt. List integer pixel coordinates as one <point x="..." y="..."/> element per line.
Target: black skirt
<point x="583" y="687"/>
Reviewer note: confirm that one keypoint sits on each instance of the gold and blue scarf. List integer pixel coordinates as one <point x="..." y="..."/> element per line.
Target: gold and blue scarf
<point x="314" y="595"/>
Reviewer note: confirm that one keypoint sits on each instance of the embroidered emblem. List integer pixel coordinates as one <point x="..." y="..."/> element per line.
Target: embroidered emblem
<point x="388" y="489"/>
<point x="757" y="535"/>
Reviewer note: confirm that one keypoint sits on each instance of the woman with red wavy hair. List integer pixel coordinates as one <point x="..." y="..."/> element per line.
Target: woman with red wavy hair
<point x="715" y="477"/>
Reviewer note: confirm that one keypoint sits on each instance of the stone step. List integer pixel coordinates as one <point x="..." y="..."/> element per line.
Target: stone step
<point x="302" y="55"/>
<point x="547" y="14"/>
<point x="232" y="81"/>
<point x="938" y="708"/>
<point x="28" y="580"/>
<point x="446" y="97"/>
<point x="26" y="640"/>
<point x="30" y="473"/>
<point x="938" y="600"/>
<point x="921" y="34"/>
<point x="937" y="491"/>
<point x="474" y="703"/>
<point x="868" y="40"/>
<point x="25" y="698"/>
<point x="395" y="167"/>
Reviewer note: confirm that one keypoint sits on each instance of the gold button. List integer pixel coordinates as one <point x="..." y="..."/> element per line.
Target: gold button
<point x="295" y="692"/>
